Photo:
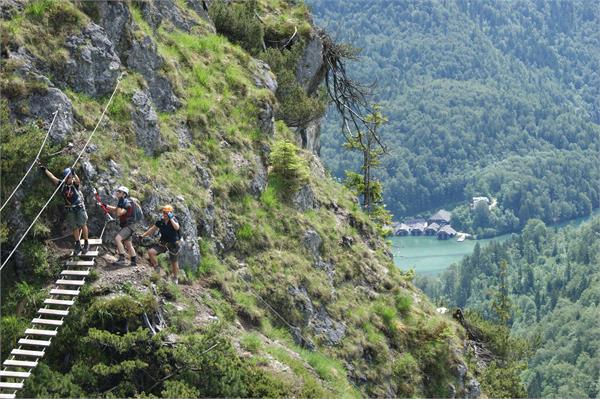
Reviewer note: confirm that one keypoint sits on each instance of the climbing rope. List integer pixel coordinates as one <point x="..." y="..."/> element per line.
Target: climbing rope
<point x="64" y="178"/>
<point x="37" y="157"/>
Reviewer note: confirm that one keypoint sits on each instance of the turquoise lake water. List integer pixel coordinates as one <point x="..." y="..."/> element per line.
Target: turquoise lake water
<point x="428" y="255"/>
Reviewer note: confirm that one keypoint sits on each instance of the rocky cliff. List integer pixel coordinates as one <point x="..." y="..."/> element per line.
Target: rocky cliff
<point x="287" y="288"/>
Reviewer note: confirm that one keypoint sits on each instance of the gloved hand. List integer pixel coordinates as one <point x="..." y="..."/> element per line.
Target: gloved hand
<point x="42" y="168"/>
<point x="170" y="215"/>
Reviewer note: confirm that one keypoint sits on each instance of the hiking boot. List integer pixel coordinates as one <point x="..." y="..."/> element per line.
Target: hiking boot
<point x="133" y="261"/>
<point x="120" y="261"/>
<point x="86" y="247"/>
<point x="77" y="248"/>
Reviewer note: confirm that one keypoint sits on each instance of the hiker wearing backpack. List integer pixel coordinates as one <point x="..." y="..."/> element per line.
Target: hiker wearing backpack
<point x="168" y="226"/>
<point x="77" y="217"/>
<point x="125" y="211"/>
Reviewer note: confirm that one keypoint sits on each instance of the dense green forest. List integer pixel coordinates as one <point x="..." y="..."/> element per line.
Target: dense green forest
<point x="552" y="282"/>
<point x="483" y="98"/>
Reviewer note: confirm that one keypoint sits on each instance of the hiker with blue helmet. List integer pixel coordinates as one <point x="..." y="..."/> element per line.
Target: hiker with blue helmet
<point x="124" y="210"/>
<point x="77" y="217"/>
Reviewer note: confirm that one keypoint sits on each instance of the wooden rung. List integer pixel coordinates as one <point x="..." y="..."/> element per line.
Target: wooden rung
<point x="54" y="312"/>
<point x="93" y="241"/>
<point x="75" y="272"/>
<point x="88" y="254"/>
<point x="15" y="374"/>
<point x="45" y="333"/>
<point x="19" y="363"/>
<point x="7" y="396"/>
<point x="70" y="282"/>
<point x="35" y="342"/>
<point x="49" y="322"/>
<point x="23" y="352"/>
<point x="11" y="385"/>
<point x="71" y="263"/>
<point x="64" y="292"/>
<point x="58" y="302"/>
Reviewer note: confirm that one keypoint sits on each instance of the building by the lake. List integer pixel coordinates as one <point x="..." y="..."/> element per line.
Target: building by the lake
<point x="437" y="225"/>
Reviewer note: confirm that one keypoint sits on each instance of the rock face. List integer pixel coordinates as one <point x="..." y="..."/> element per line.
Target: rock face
<point x="259" y="180"/>
<point x="145" y="124"/>
<point x="143" y="58"/>
<point x="115" y="18"/>
<point x="93" y="66"/>
<point x="318" y="321"/>
<point x="310" y="72"/>
<point x="311" y="68"/>
<point x="312" y="241"/>
<point x="155" y="13"/>
<point x="305" y="199"/>
<point x="42" y="103"/>
<point x="309" y="137"/>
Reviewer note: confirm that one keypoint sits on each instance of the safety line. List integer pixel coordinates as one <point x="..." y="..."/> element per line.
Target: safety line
<point x="58" y="187"/>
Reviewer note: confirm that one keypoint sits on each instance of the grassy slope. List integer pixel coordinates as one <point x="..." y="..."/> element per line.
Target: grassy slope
<point x="393" y="336"/>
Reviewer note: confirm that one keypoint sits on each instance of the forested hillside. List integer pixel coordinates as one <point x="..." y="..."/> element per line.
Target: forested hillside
<point x="552" y="281"/>
<point x="483" y="98"/>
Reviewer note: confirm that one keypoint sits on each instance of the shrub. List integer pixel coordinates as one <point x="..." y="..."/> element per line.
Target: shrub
<point x="288" y="165"/>
<point x="403" y="303"/>
<point x="407" y="373"/>
<point x="237" y="22"/>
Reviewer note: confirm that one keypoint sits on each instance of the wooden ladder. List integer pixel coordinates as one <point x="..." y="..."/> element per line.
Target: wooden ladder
<point x="22" y="360"/>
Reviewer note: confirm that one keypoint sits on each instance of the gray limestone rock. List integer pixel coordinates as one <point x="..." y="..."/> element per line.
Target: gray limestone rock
<point x="155" y="13"/>
<point x="266" y="119"/>
<point x="43" y="106"/>
<point x="42" y="103"/>
<point x="309" y="136"/>
<point x="259" y="180"/>
<point x="305" y="199"/>
<point x="312" y="241"/>
<point x="264" y="77"/>
<point x="324" y="325"/>
<point x="207" y="222"/>
<point x="327" y="267"/>
<point x="10" y="8"/>
<point x="143" y="57"/>
<point x="93" y="66"/>
<point x="311" y="67"/>
<point x="201" y="8"/>
<point x="145" y="124"/>
<point x="115" y="18"/>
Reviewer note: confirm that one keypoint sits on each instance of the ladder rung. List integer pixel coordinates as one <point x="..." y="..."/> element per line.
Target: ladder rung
<point x="35" y="342"/>
<point x="70" y="282"/>
<point x="15" y="374"/>
<point x="93" y="241"/>
<point x="75" y="272"/>
<point x="46" y="333"/>
<point x="49" y="322"/>
<point x="19" y="363"/>
<point x="11" y="385"/>
<point x="59" y="302"/>
<point x="7" y="396"/>
<point x="79" y="263"/>
<point x="64" y="292"/>
<point x="88" y="254"/>
<point x="54" y="312"/>
<point x="23" y="352"/>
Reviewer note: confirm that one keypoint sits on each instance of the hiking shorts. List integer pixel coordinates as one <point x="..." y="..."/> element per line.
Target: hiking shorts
<point x="126" y="233"/>
<point x="172" y="247"/>
<point x="76" y="217"/>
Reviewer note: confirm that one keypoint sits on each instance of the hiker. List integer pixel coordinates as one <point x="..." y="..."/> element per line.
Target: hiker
<point x="169" y="240"/>
<point x="124" y="210"/>
<point x="77" y="217"/>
